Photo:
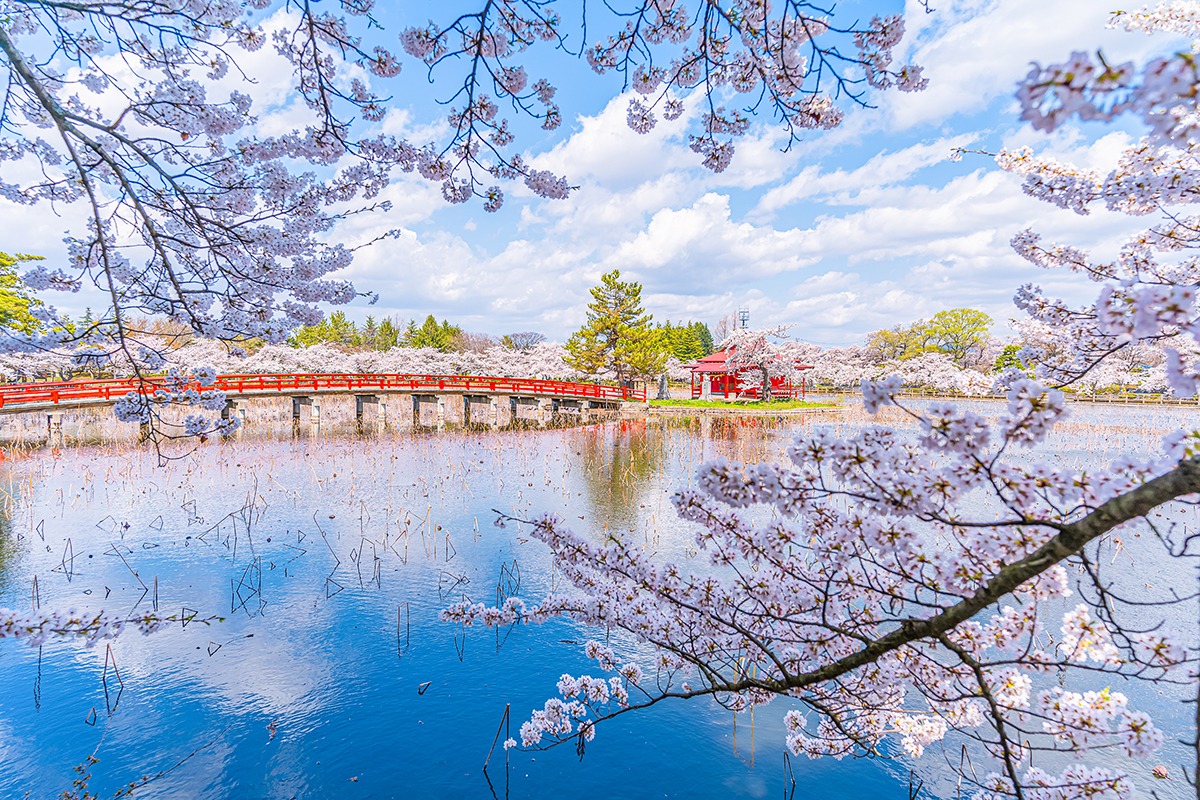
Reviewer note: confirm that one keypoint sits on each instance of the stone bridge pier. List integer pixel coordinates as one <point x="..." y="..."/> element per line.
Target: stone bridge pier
<point x="313" y="405"/>
<point x="378" y="406"/>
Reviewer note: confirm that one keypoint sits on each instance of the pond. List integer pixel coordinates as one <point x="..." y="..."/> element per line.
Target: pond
<point x="330" y="674"/>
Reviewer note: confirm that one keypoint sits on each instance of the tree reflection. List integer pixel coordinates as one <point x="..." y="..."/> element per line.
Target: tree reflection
<point x="8" y="539"/>
<point x="618" y="462"/>
<point x="623" y="463"/>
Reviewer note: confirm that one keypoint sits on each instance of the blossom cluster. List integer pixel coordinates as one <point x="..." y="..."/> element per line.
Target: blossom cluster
<point x="1148" y="293"/>
<point x="856" y="537"/>
<point x="783" y="53"/>
<point x="37" y="627"/>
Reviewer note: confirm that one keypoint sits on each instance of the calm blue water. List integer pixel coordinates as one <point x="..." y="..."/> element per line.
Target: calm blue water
<point x="330" y="561"/>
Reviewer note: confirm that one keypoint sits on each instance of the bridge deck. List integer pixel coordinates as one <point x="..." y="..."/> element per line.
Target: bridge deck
<point x="25" y="397"/>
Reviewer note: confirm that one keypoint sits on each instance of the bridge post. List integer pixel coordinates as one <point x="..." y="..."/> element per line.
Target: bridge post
<point x="381" y="417"/>
<point x="361" y="401"/>
<point x="54" y="431"/>
<point x="233" y="410"/>
<point x="314" y="417"/>
<point x="440" y="402"/>
<point x="513" y="407"/>
<point x="585" y="411"/>
<point x="298" y="402"/>
<point x="479" y="418"/>
<point x="494" y="412"/>
<point x="545" y="410"/>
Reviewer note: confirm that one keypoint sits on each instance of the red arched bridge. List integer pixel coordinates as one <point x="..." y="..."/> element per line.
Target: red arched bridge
<point x="467" y="393"/>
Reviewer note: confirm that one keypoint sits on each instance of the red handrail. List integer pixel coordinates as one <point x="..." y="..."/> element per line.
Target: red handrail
<point x="14" y="395"/>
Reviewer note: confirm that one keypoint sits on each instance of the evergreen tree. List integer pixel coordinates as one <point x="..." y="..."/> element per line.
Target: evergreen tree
<point x="334" y="329"/>
<point x="15" y="300"/>
<point x="389" y="335"/>
<point x="369" y="334"/>
<point x="1009" y="358"/>
<point x="685" y="342"/>
<point x="617" y="337"/>
<point x="439" y="336"/>
<point x="704" y="335"/>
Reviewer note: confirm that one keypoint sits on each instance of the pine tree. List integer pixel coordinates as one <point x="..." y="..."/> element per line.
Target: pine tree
<point x="685" y="342"/>
<point x="334" y="329"/>
<point x="439" y="336"/>
<point x="704" y="336"/>
<point x="369" y="334"/>
<point x="617" y="338"/>
<point x="15" y="301"/>
<point x="389" y="335"/>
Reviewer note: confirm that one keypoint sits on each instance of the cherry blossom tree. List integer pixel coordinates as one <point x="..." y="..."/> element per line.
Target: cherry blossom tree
<point x="139" y="111"/>
<point x="141" y="127"/>
<point x="542" y="360"/>
<point x="936" y="579"/>
<point x="885" y="584"/>
<point x="845" y="367"/>
<point x="848" y="367"/>
<point x="761" y="356"/>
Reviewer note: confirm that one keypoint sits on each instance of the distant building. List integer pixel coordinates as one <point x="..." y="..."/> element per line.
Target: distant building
<point x="713" y="377"/>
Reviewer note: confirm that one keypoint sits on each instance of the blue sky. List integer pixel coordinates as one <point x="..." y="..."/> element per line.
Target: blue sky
<point x="856" y="229"/>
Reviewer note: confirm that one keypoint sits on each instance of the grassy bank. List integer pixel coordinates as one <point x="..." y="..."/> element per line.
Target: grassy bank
<point x="748" y="405"/>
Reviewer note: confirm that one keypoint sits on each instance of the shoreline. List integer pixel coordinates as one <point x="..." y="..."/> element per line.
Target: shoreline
<point x="735" y="411"/>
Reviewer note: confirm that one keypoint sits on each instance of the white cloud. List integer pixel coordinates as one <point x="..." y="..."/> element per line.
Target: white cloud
<point x="855" y="229"/>
<point x="605" y="151"/>
<point x="881" y="170"/>
<point x="703" y="240"/>
<point x="974" y="51"/>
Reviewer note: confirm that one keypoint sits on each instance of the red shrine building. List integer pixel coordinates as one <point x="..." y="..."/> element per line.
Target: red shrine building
<point x="713" y="377"/>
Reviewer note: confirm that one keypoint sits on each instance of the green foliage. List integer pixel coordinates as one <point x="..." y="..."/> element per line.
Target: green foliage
<point x="740" y="405"/>
<point x="388" y="336"/>
<point x="439" y="336"/>
<point x="369" y="335"/>
<point x="340" y="330"/>
<point x="15" y="300"/>
<point x="686" y="342"/>
<point x="334" y="329"/>
<point x="617" y="337"/>
<point x="961" y="333"/>
<point x="1008" y="359"/>
<point x="897" y="342"/>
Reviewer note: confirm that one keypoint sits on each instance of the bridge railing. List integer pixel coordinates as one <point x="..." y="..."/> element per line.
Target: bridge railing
<point x="18" y="394"/>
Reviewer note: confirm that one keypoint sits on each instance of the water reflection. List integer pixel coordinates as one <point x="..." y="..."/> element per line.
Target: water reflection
<point x="617" y="463"/>
<point x="330" y="560"/>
